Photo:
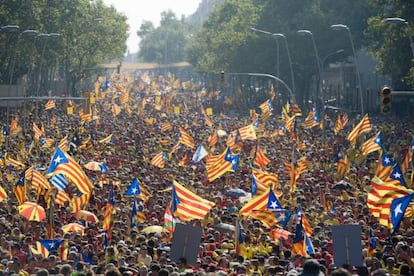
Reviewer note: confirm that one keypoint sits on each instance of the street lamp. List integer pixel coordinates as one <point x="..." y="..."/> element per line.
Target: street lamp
<point x="279" y="35"/>
<point x="338" y="27"/>
<point x="23" y="35"/>
<point x="45" y="37"/>
<point x="401" y="21"/>
<point x="339" y="51"/>
<point x="309" y="33"/>
<point x="9" y="29"/>
<point x="277" y="47"/>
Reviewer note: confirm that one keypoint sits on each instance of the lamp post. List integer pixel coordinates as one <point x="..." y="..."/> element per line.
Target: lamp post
<point x="339" y="51"/>
<point x="401" y="21"/>
<point x="23" y="35"/>
<point x="45" y="37"/>
<point x="309" y="33"/>
<point x="338" y="27"/>
<point x="278" y="80"/>
<point x="279" y="35"/>
<point x="277" y="48"/>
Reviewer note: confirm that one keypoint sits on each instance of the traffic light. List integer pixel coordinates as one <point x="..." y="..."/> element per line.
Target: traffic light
<point x="386" y="100"/>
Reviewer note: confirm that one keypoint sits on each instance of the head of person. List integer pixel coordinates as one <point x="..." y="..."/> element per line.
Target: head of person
<point x="311" y="267"/>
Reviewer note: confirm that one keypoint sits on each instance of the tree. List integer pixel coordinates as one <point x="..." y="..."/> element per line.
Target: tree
<point x="91" y="33"/>
<point x="164" y="44"/>
<point x="389" y="43"/>
<point x="222" y="41"/>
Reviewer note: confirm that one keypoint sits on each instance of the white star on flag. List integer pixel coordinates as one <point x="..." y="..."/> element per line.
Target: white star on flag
<point x="397" y="175"/>
<point x="57" y="160"/>
<point x="397" y="210"/>
<point x="273" y="204"/>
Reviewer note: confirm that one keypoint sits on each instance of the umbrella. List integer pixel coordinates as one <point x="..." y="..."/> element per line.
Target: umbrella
<point x="93" y="166"/>
<point x="32" y="211"/>
<point x="86" y="215"/>
<point x="154" y="229"/>
<point x="342" y="185"/>
<point x="221" y="133"/>
<point x="225" y="227"/>
<point x="236" y="192"/>
<point x="73" y="227"/>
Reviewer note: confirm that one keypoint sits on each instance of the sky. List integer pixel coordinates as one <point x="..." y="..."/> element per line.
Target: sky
<point x="138" y="11"/>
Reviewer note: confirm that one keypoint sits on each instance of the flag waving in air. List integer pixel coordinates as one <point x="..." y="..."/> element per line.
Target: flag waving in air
<point x="363" y="126"/>
<point x="264" y="201"/>
<point x="373" y="144"/>
<point x="186" y="205"/>
<point x="62" y="163"/>
<point x="133" y="189"/>
<point x="185" y="138"/>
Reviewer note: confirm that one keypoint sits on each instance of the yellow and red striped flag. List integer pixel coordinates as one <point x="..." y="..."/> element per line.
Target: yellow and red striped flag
<point x="380" y="198"/>
<point x="265" y="180"/>
<point x="62" y="163"/>
<point x="61" y="198"/>
<point x="372" y="144"/>
<point x="166" y="126"/>
<point x="39" y="181"/>
<point x="38" y="132"/>
<point x="310" y="120"/>
<point x="50" y="104"/>
<point x="185" y="138"/>
<point x="186" y="205"/>
<point x="343" y="166"/>
<point x="64" y="143"/>
<point x="363" y="126"/>
<point x="217" y="166"/>
<point x="78" y="202"/>
<point x="159" y="160"/>
<point x="247" y="133"/>
<point x="260" y="158"/>
<point x="3" y="194"/>
<point x="408" y="158"/>
<point x="265" y="216"/>
<point x="259" y="202"/>
<point x="213" y="139"/>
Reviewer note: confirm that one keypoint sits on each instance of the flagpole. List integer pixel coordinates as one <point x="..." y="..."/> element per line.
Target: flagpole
<point x="51" y="233"/>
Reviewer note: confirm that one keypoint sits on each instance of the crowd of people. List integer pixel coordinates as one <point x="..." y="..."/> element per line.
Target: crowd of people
<point x="135" y="123"/>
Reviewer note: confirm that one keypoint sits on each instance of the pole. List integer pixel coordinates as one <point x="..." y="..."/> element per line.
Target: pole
<point x="401" y="21"/>
<point x="290" y="60"/>
<point x="361" y="97"/>
<point x="358" y="78"/>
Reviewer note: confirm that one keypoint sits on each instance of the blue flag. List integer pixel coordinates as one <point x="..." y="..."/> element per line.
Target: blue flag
<point x="133" y="189"/>
<point x="273" y="202"/>
<point x="398" y="207"/>
<point x="103" y="167"/>
<point x="51" y="245"/>
<point x="253" y="184"/>
<point x="57" y="159"/>
<point x="396" y="174"/>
